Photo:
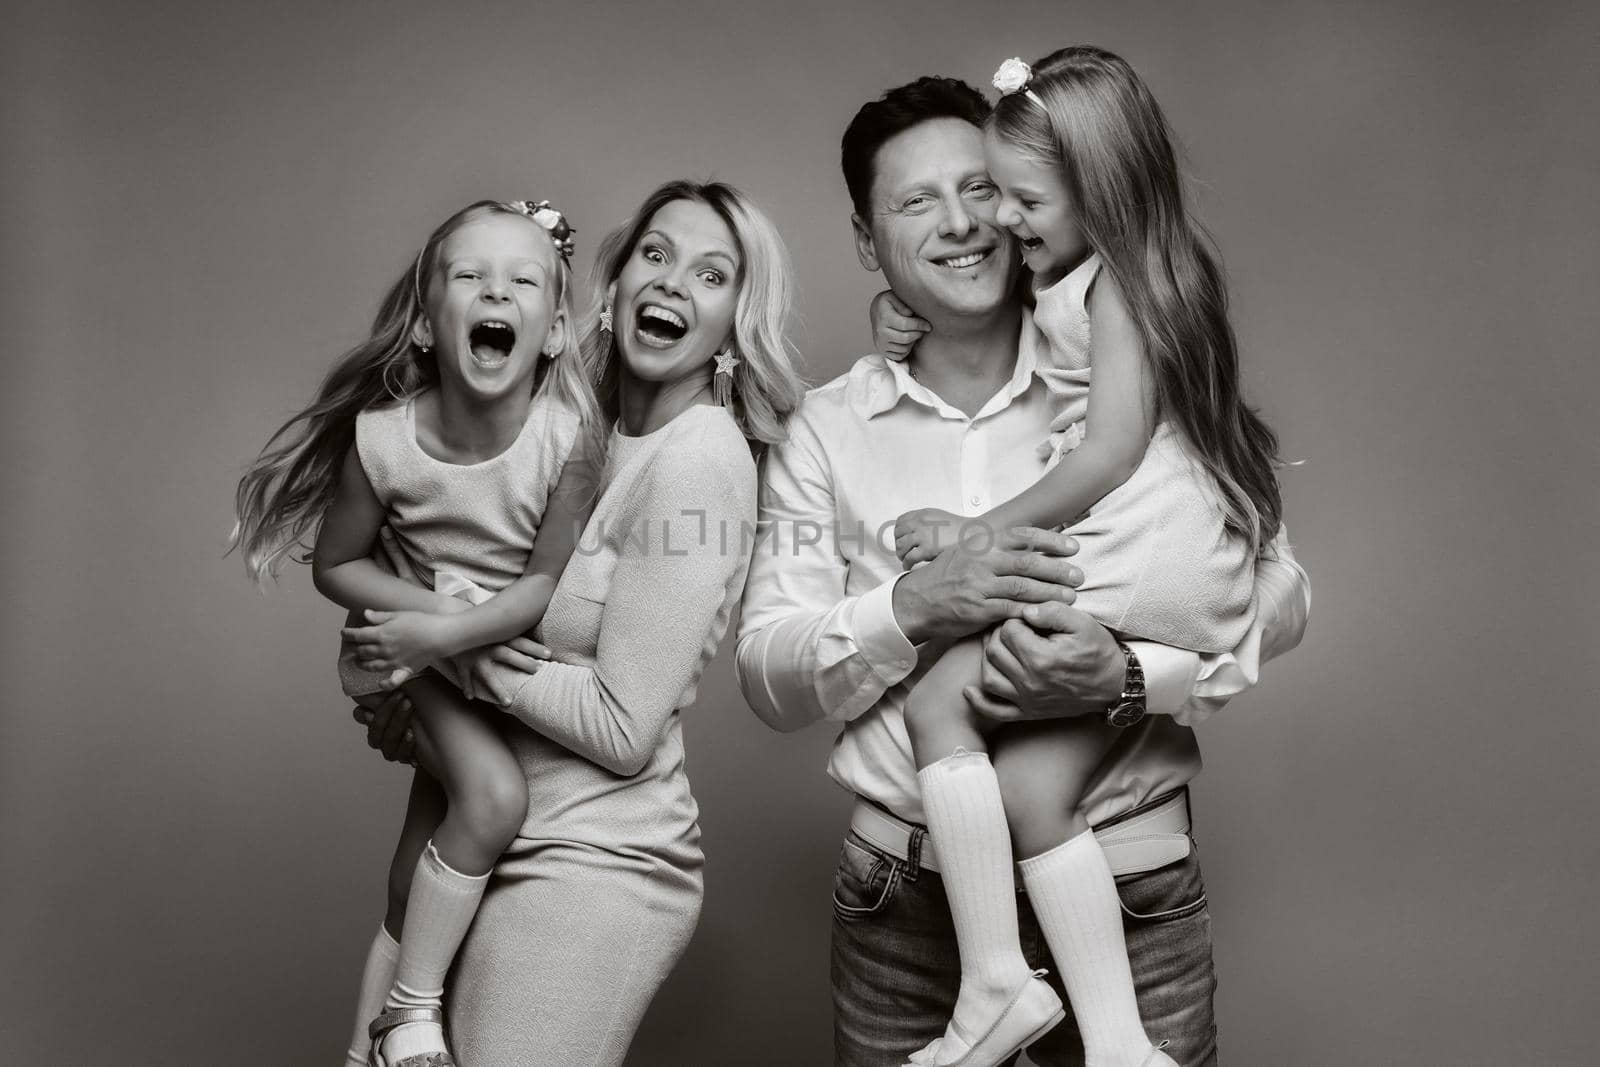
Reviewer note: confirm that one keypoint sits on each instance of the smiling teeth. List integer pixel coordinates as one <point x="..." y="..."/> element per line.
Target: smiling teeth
<point x="968" y="260"/>
<point x="650" y="311"/>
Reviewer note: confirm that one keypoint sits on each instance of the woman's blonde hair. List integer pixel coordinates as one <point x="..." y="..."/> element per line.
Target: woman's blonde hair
<point x="281" y="499"/>
<point x="764" y="388"/>
<point x="1089" y="115"/>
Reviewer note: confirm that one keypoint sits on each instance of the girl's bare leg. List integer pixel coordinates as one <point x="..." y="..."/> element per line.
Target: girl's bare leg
<point x="1044" y="770"/>
<point x="423" y="812"/>
<point x="967" y="825"/>
<point x="485" y="802"/>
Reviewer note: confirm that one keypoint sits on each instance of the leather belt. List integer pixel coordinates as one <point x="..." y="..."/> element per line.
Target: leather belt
<point x="1145" y="839"/>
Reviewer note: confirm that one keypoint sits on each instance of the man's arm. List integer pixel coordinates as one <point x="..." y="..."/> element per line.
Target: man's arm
<point x="1058" y="661"/>
<point x="805" y="650"/>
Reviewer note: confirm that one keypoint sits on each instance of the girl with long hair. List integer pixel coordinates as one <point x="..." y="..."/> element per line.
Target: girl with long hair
<point x="1165" y="478"/>
<point x="457" y="431"/>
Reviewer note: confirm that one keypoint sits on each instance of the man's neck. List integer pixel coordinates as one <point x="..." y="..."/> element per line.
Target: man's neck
<point x="967" y="361"/>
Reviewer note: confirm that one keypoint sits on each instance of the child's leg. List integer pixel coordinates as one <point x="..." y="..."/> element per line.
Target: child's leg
<point x="967" y="823"/>
<point x="423" y="813"/>
<point x="486" y="801"/>
<point x="1044" y="769"/>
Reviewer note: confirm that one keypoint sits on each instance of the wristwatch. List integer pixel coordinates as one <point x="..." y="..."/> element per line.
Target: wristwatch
<point x="1128" y="708"/>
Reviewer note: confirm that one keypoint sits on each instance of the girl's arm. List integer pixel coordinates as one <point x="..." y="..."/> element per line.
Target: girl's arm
<point x="518" y="607"/>
<point x="341" y="561"/>
<point x="1120" y="420"/>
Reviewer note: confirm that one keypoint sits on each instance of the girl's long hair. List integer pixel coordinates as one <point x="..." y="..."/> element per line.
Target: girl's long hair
<point x="764" y="388"/>
<point x="1101" y="127"/>
<point x="284" y="493"/>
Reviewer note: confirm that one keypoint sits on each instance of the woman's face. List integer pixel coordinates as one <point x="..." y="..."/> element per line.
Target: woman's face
<point x="674" y="300"/>
<point x="491" y="305"/>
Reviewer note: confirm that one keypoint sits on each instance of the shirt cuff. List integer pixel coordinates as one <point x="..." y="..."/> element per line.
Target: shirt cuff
<point x="1170" y="675"/>
<point x="878" y="635"/>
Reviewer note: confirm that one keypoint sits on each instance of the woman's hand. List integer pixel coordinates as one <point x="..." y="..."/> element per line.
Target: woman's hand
<point x="895" y="327"/>
<point x="401" y="642"/>
<point x="389" y="728"/>
<point x="922" y="534"/>
<point x="480" y="678"/>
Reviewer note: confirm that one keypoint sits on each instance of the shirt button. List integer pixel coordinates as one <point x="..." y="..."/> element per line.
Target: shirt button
<point x="975" y="501"/>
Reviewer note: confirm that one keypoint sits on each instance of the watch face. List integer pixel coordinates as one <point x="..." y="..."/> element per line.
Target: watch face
<point x="1125" y="714"/>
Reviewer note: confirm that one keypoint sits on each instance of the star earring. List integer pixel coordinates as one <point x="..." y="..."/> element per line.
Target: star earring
<point x="727" y="359"/>
<point x="605" y="318"/>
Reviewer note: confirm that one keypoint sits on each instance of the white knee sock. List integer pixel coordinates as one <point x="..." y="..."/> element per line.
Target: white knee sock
<point x="439" y="910"/>
<point x="376" y="978"/>
<point x="1075" y="898"/>
<point x="967" y="822"/>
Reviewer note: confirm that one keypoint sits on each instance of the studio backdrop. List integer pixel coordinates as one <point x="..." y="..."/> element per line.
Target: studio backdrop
<point x="203" y="202"/>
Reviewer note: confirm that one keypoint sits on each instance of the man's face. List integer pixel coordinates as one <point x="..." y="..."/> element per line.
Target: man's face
<point x="932" y="229"/>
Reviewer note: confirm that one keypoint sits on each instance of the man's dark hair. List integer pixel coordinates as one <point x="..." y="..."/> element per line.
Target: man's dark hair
<point x="892" y="114"/>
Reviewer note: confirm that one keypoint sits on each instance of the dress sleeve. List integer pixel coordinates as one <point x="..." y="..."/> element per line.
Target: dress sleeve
<point x="667" y="604"/>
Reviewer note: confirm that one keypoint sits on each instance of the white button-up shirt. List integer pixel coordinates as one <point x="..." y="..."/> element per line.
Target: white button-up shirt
<point x="818" y="637"/>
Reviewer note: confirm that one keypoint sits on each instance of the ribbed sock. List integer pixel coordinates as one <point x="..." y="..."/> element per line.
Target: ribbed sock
<point x="438" y="912"/>
<point x="376" y="978"/>
<point x="967" y="823"/>
<point x="1075" y="898"/>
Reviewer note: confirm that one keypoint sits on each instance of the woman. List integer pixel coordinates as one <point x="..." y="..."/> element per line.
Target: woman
<point x="595" y="901"/>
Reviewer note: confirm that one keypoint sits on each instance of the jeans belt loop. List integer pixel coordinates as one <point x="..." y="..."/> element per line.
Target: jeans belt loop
<point x="914" y="852"/>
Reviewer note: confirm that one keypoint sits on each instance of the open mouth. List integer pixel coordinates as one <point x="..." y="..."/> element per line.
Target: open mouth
<point x="1031" y="244"/>
<point x="659" y="326"/>
<point x="491" y="342"/>
<point x="965" y="259"/>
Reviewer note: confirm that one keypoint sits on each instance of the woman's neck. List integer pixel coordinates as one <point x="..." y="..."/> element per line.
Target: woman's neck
<point x="645" y="406"/>
<point x="472" y="429"/>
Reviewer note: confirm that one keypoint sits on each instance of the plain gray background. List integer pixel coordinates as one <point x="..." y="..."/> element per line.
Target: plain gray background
<point x="203" y="204"/>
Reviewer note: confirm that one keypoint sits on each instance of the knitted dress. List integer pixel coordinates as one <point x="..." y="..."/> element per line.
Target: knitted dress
<point x="594" y="902"/>
<point x="465" y="529"/>
<point x="1158" y="561"/>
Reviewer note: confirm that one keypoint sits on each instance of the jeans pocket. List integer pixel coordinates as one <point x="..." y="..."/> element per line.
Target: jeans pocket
<point x="1166" y="894"/>
<point x="865" y="882"/>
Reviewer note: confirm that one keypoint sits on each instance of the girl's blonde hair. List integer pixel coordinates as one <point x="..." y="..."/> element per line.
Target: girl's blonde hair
<point x="764" y="388"/>
<point x="1088" y="114"/>
<point x="284" y="493"/>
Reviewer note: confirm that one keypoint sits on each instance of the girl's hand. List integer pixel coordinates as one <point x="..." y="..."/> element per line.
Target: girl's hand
<point x="895" y="327"/>
<point x="922" y="534"/>
<point x="482" y="680"/>
<point x="401" y="642"/>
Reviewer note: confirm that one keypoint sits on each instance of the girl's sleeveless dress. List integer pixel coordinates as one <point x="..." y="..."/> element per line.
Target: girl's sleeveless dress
<point x="1157" y="558"/>
<point x="463" y="529"/>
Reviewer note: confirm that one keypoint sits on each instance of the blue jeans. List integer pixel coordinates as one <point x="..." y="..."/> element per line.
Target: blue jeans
<point x="896" y="969"/>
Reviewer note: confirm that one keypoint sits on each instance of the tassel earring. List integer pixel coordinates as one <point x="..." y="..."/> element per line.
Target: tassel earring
<point x="722" y="380"/>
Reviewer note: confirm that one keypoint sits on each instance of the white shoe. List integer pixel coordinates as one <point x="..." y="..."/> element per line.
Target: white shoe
<point x="1033" y="1012"/>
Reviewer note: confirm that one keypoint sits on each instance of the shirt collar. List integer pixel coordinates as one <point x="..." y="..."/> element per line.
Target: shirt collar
<point x="878" y="383"/>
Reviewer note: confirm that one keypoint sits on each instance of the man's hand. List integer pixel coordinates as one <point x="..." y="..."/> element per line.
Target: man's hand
<point x="1055" y="661"/>
<point x="389" y="729"/>
<point x="401" y="642"/>
<point x="967" y="588"/>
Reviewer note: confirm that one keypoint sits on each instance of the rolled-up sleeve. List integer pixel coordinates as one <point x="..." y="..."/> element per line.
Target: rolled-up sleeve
<point x="806" y="650"/>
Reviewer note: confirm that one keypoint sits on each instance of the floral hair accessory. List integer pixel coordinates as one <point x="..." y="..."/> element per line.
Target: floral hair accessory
<point x="551" y="220"/>
<point x="1013" y="76"/>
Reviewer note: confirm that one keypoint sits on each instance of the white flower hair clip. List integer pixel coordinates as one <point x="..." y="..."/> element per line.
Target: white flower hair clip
<point x="551" y="220"/>
<point x="1013" y="76"/>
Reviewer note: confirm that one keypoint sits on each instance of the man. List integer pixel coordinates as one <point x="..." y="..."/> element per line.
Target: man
<point x="832" y="629"/>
